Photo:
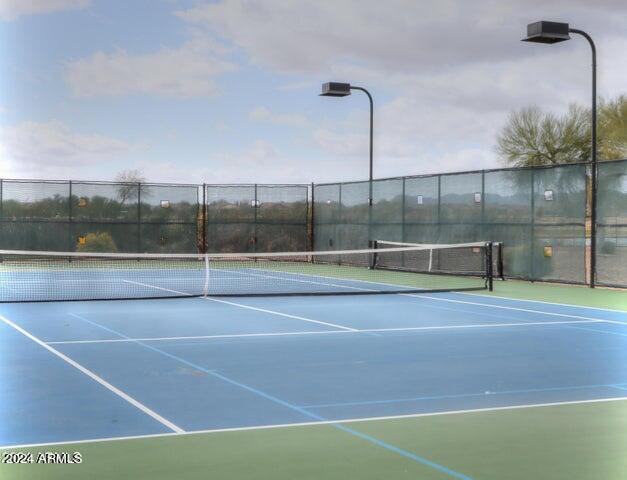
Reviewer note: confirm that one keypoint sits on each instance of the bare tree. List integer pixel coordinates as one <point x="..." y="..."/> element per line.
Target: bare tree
<point x="131" y="183"/>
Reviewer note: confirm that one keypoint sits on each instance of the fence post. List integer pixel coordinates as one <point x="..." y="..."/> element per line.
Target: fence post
<point x="139" y="217"/>
<point x="533" y="227"/>
<point x="403" y="213"/>
<point x="2" y="245"/>
<point x="337" y="240"/>
<point x="593" y="222"/>
<point x="203" y="233"/>
<point x="482" y="229"/>
<point x="255" y="239"/>
<point x="311" y="218"/>
<point x="439" y="211"/>
<point x="69" y="219"/>
<point x="370" y="207"/>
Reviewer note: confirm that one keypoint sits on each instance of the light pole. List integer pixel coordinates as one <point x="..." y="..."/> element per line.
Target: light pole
<point x="554" y="32"/>
<point x="336" y="89"/>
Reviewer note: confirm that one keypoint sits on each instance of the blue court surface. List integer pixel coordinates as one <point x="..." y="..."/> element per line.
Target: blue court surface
<point x="74" y="371"/>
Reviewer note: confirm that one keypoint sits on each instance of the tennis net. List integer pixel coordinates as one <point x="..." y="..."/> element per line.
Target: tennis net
<point x="63" y="276"/>
<point x="449" y="259"/>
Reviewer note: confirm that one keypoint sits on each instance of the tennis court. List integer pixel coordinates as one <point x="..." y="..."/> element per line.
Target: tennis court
<point x="433" y="385"/>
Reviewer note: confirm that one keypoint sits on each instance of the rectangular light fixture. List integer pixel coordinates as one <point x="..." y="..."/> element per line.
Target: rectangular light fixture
<point x="335" y="89"/>
<point x="547" y="32"/>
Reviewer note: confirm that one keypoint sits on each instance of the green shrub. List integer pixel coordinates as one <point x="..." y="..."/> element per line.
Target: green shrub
<point x="97" y="242"/>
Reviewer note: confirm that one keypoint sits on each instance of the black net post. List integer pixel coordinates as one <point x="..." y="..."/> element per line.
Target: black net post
<point x="373" y="259"/>
<point x="489" y="266"/>
<point x="499" y="260"/>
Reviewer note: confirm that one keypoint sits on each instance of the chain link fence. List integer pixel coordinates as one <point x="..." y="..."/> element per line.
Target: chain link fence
<point x="98" y="216"/>
<point x="612" y="224"/>
<point x="257" y="218"/>
<point x="538" y="213"/>
<point x="150" y="217"/>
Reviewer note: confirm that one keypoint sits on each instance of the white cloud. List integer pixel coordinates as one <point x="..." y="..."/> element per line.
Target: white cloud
<point x="12" y="9"/>
<point x="341" y="143"/>
<point x="258" y="162"/>
<point x="189" y="71"/>
<point x="444" y="74"/>
<point x="52" y="149"/>
<point x="263" y="114"/>
<point x="261" y="160"/>
<point x="308" y="84"/>
<point x="310" y="36"/>
<point x="449" y="120"/>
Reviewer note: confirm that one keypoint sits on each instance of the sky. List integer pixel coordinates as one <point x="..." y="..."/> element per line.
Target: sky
<point x="226" y="91"/>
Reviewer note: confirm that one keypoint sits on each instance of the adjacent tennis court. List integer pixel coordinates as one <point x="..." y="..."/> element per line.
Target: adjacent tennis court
<point x="433" y="385"/>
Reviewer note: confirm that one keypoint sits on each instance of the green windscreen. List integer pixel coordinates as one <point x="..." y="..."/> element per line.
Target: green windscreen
<point x="35" y="215"/>
<point x="421" y="211"/>
<point x="353" y="227"/>
<point x="387" y="209"/>
<point x="256" y="218"/>
<point x="105" y="217"/>
<point x="612" y="224"/>
<point x="169" y="218"/>
<point x="539" y="215"/>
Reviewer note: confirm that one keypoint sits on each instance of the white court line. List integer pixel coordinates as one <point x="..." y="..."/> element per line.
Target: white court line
<point x="281" y="314"/>
<point x="413" y="295"/>
<point x="424" y="295"/>
<point x="463" y="293"/>
<point x="326" y="284"/>
<point x="324" y="332"/>
<point x="324" y="422"/>
<point x="555" y="314"/>
<point x="95" y="377"/>
<point x="544" y="302"/>
<point x="350" y="287"/>
<point x="273" y="312"/>
<point x="199" y="337"/>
